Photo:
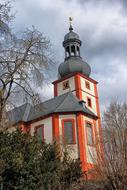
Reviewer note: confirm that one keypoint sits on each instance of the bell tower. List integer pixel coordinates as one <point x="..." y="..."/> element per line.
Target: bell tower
<point x="74" y="76"/>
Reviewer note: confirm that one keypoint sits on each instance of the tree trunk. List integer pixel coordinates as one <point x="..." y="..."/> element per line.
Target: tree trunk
<point x="2" y="110"/>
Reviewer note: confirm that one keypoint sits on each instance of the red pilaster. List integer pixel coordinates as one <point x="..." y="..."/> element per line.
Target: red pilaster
<point x="99" y="122"/>
<point x="55" y="127"/>
<point x="81" y="141"/>
<point x="78" y="86"/>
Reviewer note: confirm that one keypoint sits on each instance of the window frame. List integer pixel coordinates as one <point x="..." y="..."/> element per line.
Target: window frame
<point x="64" y="82"/>
<point x="87" y="83"/>
<point x="73" y="51"/>
<point x="40" y="126"/>
<point x="73" y="131"/>
<point x="93" y="140"/>
<point x="88" y="98"/>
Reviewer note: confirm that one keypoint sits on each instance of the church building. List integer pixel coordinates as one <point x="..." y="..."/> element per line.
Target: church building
<point x="72" y="116"/>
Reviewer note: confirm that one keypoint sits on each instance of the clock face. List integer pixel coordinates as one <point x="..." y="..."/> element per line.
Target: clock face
<point x="65" y="85"/>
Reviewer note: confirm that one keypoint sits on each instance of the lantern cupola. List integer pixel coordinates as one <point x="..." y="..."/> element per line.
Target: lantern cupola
<point x="73" y="61"/>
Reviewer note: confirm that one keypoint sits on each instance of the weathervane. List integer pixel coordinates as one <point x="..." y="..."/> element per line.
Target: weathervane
<point x="70" y="21"/>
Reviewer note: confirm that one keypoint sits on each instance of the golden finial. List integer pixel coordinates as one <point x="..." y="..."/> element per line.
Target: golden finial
<point x="70" y="21"/>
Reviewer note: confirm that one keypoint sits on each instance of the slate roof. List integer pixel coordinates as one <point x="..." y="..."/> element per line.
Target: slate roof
<point x="59" y="104"/>
<point x="72" y="65"/>
<point x="71" y="35"/>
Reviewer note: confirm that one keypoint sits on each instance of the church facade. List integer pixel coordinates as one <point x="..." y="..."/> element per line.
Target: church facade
<point x="72" y="117"/>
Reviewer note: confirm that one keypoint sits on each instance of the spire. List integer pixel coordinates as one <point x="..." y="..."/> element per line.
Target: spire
<point x="70" y="22"/>
<point x="73" y="61"/>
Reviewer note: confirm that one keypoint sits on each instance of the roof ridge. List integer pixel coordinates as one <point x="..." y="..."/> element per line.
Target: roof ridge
<point x="62" y="101"/>
<point x="74" y="99"/>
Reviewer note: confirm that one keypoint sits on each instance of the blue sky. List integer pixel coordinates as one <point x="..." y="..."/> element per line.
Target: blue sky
<point x="102" y="26"/>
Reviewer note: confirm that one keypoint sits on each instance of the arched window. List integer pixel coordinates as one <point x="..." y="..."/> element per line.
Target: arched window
<point x="89" y="102"/>
<point x="77" y="52"/>
<point x="72" y="50"/>
<point x="67" y="51"/>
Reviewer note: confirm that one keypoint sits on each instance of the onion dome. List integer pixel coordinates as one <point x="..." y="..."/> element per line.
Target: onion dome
<point x="73" y="65"/>
<point x="73" y="61"/>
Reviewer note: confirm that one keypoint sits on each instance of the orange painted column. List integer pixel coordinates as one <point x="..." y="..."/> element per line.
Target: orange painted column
<point x="81" y="141"/>
<point x="96" y="139"/>
<point x="99" y="122"/>
<point x="78" y="86"/>
<point x="55" y="127"/>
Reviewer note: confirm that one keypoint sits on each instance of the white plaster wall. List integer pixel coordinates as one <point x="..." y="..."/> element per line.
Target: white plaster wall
<point x="47" y="128"/>
<point x="60" y="86"/>
<point x="83" y="86"/>
<point x="90" y="93"/>
<point x="73" y="149"/>
<point x="91" y="154"/>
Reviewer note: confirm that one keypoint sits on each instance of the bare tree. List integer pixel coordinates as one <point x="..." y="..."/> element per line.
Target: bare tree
<point x="23" y="60"/>
<point x="112" y="169"/>
<point x="5" y="17"/>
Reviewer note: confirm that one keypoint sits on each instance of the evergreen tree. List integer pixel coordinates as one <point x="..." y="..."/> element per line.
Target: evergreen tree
<point x="25" y="164"/>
